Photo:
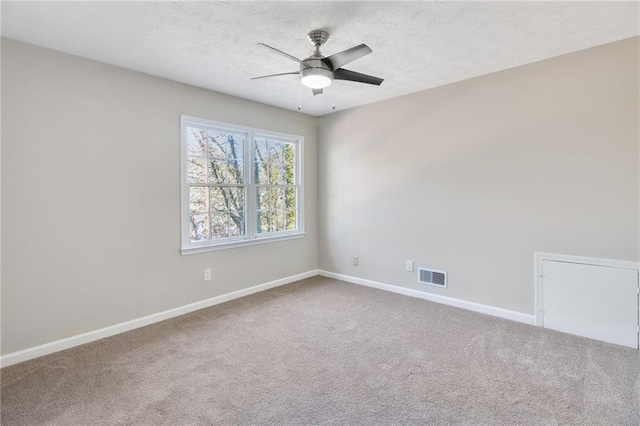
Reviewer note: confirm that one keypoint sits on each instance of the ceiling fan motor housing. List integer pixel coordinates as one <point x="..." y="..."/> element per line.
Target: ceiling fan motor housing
<point x="314" y="62"/>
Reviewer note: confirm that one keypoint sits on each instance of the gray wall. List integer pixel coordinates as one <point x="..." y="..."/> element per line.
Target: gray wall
<point x="471" y="178"/>
<point x="91" y="197"/>
<point x="476" y="176"/>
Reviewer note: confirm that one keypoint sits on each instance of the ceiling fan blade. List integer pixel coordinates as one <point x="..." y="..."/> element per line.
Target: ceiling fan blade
<point x="317" y="92"/>
<point x="342" y="74"/>
<point x="286" y="55"/>
<point x="339" y="59"/>
<point x="276" y="75"/>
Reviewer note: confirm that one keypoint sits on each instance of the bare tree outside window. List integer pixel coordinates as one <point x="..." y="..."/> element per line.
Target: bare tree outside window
<point x="217" y="190"/>
<point x="274" y="175"/>
<point x="240" y="185"/>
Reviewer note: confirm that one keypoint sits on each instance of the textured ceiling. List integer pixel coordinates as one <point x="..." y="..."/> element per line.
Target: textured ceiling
<point x="416" y="45"/>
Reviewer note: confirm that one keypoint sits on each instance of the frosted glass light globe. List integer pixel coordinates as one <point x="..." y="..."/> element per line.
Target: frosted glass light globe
<point x="316" y="78"/>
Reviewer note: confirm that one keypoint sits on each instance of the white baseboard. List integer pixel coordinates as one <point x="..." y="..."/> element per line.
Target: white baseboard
<point x="471" y="306"/>
<point x="80" y="339"/>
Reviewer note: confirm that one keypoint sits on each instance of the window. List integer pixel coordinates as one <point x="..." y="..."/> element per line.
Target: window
<point x="239" y="185"/>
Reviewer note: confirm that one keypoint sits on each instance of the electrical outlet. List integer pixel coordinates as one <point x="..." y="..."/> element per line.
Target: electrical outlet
<point x="207" y="275"/>
<point x="355" y="260"/>
<point x="409" y="266"/>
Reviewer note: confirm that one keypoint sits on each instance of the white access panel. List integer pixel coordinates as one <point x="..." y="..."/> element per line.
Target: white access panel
<point x="598" y="302"/>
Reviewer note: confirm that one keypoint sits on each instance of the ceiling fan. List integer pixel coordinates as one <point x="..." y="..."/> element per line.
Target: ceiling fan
<point x="317" y="72"/>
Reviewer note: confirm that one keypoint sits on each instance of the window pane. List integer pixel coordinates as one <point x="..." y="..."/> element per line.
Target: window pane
<point x="235" y="171"/>
<point x="261" y="164"/>
<point x="276" y="174"/>
<point x="225" y="198"/>
<point x="261" y="173"/>
<point x="290" y="198"/>
<point x="218" y="171"/>
<point x="199" y="227"/>
<point x="261" y="153"/>
<point x="235" y="145"/>
<point x="196" y="170"/>
<point x="199" y="199"/>
<point x="219" y="225"/>
<point x="236" y="224"/>
<point x="262" y="198"/>
<point x="289" y="164"/>
<point x="235" y="198"/>
<point x="264" y="221"/>
<point x="277" y="198"/>
<point x="277" y="220"/>
<point x="218" y="199"/>
<point x="290" y="220"/>
<point x="196" y="142"/>
<point x="218" y="145"/>
<point x="275" y="152"/>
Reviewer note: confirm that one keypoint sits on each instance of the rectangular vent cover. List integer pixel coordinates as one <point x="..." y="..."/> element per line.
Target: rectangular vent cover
<point x="432" y="277"/>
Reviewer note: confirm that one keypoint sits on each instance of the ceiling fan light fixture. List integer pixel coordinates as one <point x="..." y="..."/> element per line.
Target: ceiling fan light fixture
<point x="316" y="78"/>
<point x="317" y="71"/>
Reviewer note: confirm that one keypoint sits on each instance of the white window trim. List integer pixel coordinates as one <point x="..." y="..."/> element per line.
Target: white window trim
<point x="251" y="237"/>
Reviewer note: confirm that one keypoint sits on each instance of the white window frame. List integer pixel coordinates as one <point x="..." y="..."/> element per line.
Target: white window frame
<point x="251" y="236"/>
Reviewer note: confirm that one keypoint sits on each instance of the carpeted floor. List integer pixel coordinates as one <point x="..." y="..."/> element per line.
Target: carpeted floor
<point x="325" y="352"/>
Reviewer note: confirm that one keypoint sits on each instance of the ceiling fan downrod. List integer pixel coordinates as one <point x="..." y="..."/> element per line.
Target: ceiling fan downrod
<point x="318" y="38"/>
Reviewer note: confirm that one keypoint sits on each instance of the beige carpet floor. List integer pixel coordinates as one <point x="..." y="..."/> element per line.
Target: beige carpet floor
<point x="322" y="351"/>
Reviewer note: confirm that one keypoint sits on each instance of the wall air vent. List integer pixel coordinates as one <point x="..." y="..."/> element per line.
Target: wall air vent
<point x="432" y="277"/>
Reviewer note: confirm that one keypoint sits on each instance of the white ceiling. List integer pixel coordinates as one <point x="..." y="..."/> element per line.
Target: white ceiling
<point x="416" y="45"/>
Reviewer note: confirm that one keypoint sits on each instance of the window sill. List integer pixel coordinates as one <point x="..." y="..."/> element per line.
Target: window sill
<point x="243" y="243"/>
